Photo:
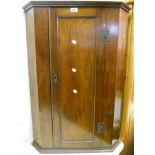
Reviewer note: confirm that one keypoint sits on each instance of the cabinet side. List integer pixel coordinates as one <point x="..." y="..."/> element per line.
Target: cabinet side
<point x="39" y="73"/>
<point x="120" y="71"/>
<point x="29" y="15"/>
<point x="41" y="21"/>
<point x="106" y="71"/>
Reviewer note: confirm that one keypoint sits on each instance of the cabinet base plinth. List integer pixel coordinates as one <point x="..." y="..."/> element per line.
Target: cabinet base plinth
<point x="89" y="150"/>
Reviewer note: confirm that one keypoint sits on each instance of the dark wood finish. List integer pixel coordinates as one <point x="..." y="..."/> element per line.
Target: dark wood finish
<point x="39" y="68"/>
<point x="30" y="25"/>
<point x="62" y="117"/>
<point x="82" y="12"/>
<point x="74" y="113"/>
<point x="121" y="63"/>
<point x="106" y="71"/>
<point x="43" y="74"/>
<point x="110" y="4"/>
<point x="76" y="110"/>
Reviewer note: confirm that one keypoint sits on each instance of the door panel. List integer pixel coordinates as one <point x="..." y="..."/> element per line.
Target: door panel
<point x="76" y="78"/>
<point x="78" y="58"/>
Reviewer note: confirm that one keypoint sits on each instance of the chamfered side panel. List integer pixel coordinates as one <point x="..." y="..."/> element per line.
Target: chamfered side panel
<point x="33" y="75"/>
<point x="121" y="64"/>
<point x="106" y="73"/>
<point x="127" y="123"/>
<point x="43" y="75"/>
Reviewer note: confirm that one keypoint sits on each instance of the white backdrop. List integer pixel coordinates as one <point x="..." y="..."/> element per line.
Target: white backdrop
<point x="15" y="117"/>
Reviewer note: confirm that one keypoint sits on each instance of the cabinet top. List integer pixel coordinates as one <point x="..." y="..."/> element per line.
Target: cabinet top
<point x="76" y="4"/>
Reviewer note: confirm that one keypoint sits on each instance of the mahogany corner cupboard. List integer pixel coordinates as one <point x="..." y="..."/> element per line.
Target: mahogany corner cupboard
<point x="77" y="57"/>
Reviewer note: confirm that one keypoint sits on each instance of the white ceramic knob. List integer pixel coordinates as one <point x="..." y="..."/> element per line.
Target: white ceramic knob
<point x="74" y="91"/>
<point x="74" y="70"/>
<point x="74" y="42"/>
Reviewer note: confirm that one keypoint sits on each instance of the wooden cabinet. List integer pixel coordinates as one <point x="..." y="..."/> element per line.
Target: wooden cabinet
<point x="76" y="53"/>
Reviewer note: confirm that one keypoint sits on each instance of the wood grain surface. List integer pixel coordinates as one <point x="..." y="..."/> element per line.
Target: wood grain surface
<point x="76" y="78"/>
<point x="74" y="112"/>
<point x="38" y="47"/>
<point x="127" y="124"/>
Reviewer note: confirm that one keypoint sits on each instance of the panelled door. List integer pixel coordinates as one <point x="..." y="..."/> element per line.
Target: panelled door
<point x="73" y="60"/>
